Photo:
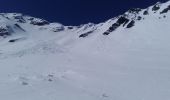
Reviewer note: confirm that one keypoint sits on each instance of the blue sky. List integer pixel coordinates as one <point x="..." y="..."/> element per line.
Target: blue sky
<point x="73" y="12"/>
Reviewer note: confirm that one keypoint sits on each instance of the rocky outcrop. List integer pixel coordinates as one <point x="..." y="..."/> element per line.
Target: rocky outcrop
<point x="121" y="21"/>
<point x="85" y="34"/>
<point x="57" y="29"/>
<point x="165" y="10"/>
<point x="39" y="22"/>
<point x="146" y="12"/>
<point x="156" y="7"/>
<point x="20" y="19"/>
<point x="135" y="10"/>
<point x="4" y="30"/>
<point x="131" y="24"/>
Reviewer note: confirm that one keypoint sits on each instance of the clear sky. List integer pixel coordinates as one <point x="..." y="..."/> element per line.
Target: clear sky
<point x="73" y="12"/>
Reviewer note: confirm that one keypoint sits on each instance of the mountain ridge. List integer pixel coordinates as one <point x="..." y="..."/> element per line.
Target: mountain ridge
<point x="128" y="20"/>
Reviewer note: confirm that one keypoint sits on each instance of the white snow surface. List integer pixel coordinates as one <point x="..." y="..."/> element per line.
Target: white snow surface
<point x="128" y="64"/>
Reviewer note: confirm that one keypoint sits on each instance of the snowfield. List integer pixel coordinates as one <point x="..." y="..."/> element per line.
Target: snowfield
<point x="50" y="61"/>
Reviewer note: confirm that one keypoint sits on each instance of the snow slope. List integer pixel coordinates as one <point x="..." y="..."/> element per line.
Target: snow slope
<point x="124" y="58"/>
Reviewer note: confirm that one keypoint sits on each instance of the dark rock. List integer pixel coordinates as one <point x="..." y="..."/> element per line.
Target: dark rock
<point x="4" y="30"/>
<point x="122" y="20"/>
<point x="134" y="10"/>
<point x="3" y="15"/>
<point x="57" y="29"/>
<point x="24" y="83"/>
<point x="70" y="27"/>
<point x="13" y="40"/>
<point x="145" y="12"/>
<point x="106" y="33"/>
<point x="39" y="22"/>
<point x="113" y="27"/>
<point x="20" y="19"/>
<point x="19" y="27"/>
<point x="85" y="34"/>
<point x="165" y="10"/>
<point x="139" y="18"/>
<point x="155" y="7"/>
<point x="7" y="18"/>
<point x="50" y="80"/>
<point x="131" y="24"/>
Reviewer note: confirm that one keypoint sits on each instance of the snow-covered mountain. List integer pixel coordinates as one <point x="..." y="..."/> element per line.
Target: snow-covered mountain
<point x="124" y="58"/>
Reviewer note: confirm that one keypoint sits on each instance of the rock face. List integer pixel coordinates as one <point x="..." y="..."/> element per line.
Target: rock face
<point x="121" y="21"/>
<point x="146" y="12"/>
<point x="156" y="7"/>
<point x="131" y="24"/>
<point x="165" y="10"/>
<point x="19" y="27"/>
<point x="126" y="20"/>
<point x="135" y="10"/>
<point x="39" y="22"/>
<point x="85" y="34"/>
<point x="4" y="30"/>
<point x="20" y="19"/>
<point x="55" y="27"/>
<point x="129" y="18"/>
